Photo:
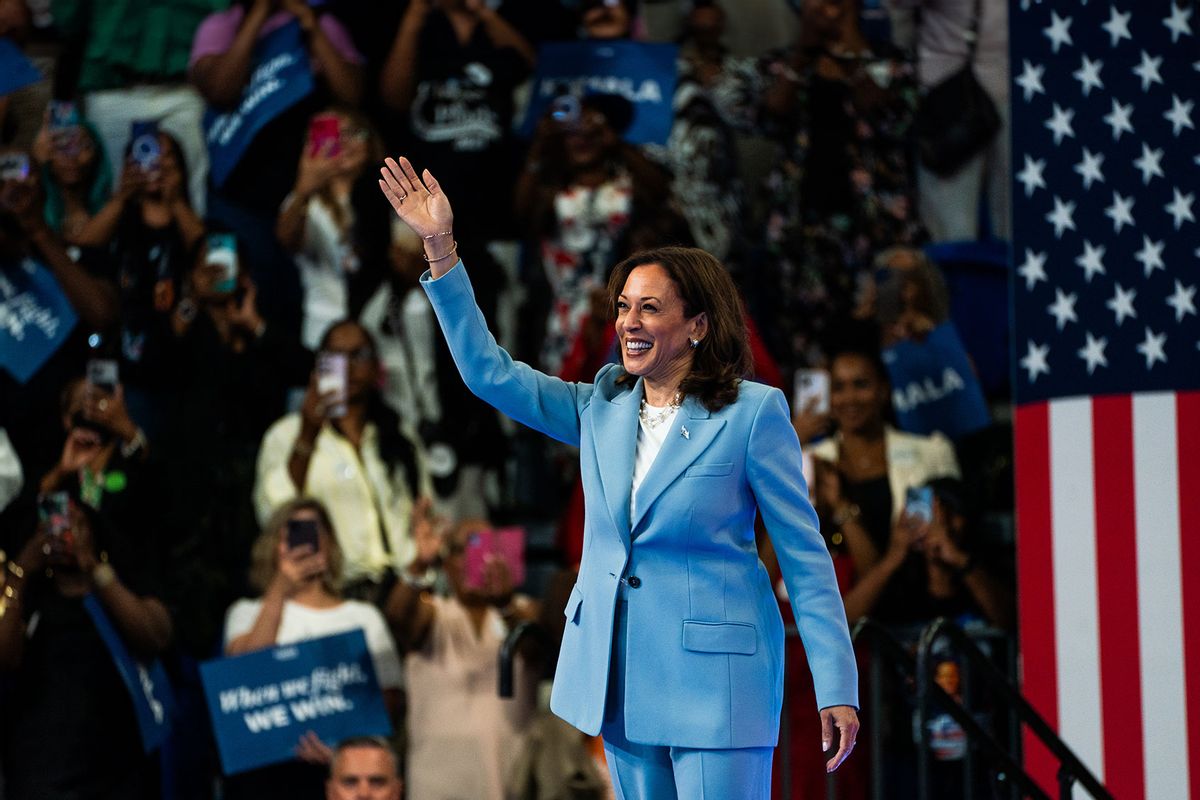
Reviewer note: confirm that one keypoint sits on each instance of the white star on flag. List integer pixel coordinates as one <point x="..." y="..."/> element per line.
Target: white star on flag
<point x="1121" y="303"/>
<point x="1093" y="352"/>
<point x="1033" y="269"/>
<point x="1152" y="347"/>
<point x="1030" y="80"/>
<point x="1062" y="217"/>
<point x="1063" y="308"/>
<point x="1060" y="123"/>
<point x="1150" y="163"/>
<point x="1180" y="115"/>
<point x="1035" y="361"/>
<point x="1091" y="260"/>
<point x="1031" y="175"/>
<point x="1120" y="212"/>
<point x="1180" y="208"/>
<point x="1089" y="168"/>
<point x="1177" y="23"/>
<point x="1059" y="31"/>
<point x="1150" y="255"/>
<point x="1117" y="26"/>
<point x="1119" y="119"/>
<point x="1148" y="70"/>
<point x="1183" y="300"/>
<point x="1088" y="75"/>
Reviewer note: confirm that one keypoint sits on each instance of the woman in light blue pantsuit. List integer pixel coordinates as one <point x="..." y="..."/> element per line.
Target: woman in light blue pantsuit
<point x="673" y="648"/>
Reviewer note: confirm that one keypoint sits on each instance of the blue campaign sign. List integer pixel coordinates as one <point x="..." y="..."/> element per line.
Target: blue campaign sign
<point x="934" y="387"/>
<point x="281" y="78"/>
<point x="16" y="70"/>
<point x="148" y="686"/>
<point x="642" y="73"/>
<point x="35" y="317"/>
<point x="261" y="703"/>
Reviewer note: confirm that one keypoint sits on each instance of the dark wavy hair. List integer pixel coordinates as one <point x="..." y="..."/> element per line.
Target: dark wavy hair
<point x="723" y="358"/>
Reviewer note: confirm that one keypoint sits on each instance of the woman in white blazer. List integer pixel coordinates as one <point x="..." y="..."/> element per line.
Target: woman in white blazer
<point x="673" y="647"/>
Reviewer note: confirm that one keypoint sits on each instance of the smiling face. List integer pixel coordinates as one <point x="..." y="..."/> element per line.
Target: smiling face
<point x="857" y="393"/>
<point x="653" y="328"/>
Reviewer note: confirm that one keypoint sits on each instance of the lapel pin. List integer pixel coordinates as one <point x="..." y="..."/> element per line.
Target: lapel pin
<point x="683" y="431"/>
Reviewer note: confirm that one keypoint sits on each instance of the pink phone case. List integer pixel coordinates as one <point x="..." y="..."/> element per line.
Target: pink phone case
<point x="507" y="544"/>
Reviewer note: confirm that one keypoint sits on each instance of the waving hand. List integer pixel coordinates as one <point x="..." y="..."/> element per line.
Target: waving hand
<point x="424" y="207"/>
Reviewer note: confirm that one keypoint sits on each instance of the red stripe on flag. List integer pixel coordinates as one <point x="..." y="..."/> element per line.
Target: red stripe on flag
<point x="1187" y="435"/>
<point x="1035" y="565"/>
<point x="1117" y="596"/>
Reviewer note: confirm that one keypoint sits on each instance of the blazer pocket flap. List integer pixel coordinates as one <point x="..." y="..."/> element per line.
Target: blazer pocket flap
<point x="720" y="637"/>
<point x="571" y="612"/>
<point x="709" y="470"/>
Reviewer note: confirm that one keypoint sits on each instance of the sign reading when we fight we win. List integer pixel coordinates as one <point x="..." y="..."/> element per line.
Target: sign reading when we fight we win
<point x="262" y="703"/>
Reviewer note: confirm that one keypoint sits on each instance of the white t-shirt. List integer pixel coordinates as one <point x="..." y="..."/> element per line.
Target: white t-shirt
<point x="301" y="623"/>
<point x="649" y="442"/>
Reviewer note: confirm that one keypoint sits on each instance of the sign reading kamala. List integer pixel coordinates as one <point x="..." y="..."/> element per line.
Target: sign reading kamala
<point x="642" y="73"/>
<point x="35" y="317"/>
<point x="281" y="78"/>
<point x="934" y="387"/>
<point x="261" y="703"/>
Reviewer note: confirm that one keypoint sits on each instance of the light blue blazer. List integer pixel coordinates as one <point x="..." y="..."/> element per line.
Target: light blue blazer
<point x="705" y="638"/>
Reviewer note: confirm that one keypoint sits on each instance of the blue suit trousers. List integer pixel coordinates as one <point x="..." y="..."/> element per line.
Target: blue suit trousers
<point x="655" y="772"/>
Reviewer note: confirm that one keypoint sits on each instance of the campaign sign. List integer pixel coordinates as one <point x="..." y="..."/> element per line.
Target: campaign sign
<point x="642" y="73"/>
<point x="35" y="317"/>
<point x="281" y="78"/>
<point x="261" y="703"/>
<point x="147" y="684"/>
<point x="934" y="387"/>
<point x="16" y="70"/>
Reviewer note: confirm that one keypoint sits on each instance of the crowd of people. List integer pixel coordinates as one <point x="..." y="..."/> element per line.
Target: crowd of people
<point x="237" y="347"/>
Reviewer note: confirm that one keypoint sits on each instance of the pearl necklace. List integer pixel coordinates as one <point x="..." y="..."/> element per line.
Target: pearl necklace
<point x="652" y="419"/>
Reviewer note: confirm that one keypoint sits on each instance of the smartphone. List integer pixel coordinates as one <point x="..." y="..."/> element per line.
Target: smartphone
<point x="14" y="167"/>
<point x="302" y="532"/>
<point x="507" y="544"/>
<point x="324" y="130"/>
<point x="145" y="148"/>
<point x="918" y="503"/>
<point x="222" y="252"/>
<point x="331" y="381"/>
<point x="62" y="114"/>
<point x="565" y="109"/>
<point x="812" y="386"/>
<point x="54" y="510"/>
<point x="103" y="373"/>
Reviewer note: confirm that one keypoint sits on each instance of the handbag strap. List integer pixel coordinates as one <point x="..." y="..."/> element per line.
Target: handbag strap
<point x="973" y="31"/>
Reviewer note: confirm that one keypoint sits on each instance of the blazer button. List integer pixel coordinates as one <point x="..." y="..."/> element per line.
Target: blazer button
<point x="634" y="581"/>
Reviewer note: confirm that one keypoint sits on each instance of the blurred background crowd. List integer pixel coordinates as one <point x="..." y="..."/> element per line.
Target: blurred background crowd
<point x="239" y="351"/>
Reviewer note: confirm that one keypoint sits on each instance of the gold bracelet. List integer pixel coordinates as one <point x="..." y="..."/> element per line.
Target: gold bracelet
<point x="429" y="260"/>
<point x="104" y="575"/>
<point x="435" y="235"/>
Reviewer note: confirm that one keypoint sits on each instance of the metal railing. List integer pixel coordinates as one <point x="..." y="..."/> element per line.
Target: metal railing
<point x="887" y="652"/>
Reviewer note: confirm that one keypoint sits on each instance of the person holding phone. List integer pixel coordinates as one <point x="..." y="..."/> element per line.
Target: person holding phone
<point x="75" y="172"/>
<point x="296" y="567"/>
<point x="463" y="738"/>
<point x="673" y="647"/>
<point x="863" y="474"/>
<point x="63" y="692"/>
<point x="337" y="238"/>
<point x="348" y="449"/>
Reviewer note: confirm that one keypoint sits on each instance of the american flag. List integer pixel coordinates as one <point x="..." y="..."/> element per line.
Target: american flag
<point x="1106" y="250"/>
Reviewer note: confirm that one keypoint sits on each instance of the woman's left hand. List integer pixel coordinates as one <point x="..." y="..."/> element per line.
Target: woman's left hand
<point x="845" y="719"/>
<point x="420" y="202"/>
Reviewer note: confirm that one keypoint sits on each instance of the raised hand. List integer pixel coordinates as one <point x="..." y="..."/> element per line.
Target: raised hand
<point x="420" y="202"/>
